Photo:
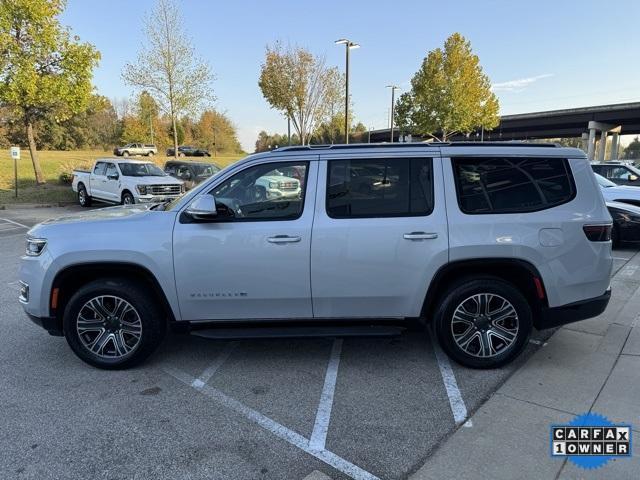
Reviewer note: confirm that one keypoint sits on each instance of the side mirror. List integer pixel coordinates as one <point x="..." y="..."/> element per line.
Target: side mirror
<point x="202" y="209"/>
<point x="633" y="178"/>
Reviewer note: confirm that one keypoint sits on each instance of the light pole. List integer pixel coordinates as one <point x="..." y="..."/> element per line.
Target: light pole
<point x="348" y="46"/>
<point x="393" y="101"/>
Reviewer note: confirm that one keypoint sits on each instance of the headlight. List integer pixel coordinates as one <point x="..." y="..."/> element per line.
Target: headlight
<point x="142" y="189"/>
<point x="35" y="246"/>
<point x="274" y="184"/>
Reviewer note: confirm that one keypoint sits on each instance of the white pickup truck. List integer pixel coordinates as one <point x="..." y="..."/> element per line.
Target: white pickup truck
<point x="126" y="182"/>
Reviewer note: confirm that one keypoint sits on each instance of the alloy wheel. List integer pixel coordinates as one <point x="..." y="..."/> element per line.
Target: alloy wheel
<point x="109" y="327"/>
<point x="485" y="325"/>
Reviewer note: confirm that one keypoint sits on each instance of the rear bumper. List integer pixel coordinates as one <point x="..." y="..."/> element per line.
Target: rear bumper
<point x="52" y="325"/>
<point x="573" y="312"/>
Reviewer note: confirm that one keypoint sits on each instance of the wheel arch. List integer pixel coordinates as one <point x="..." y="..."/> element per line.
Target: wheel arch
<point x="68" y="280"/>
<point x="522" y="274"/>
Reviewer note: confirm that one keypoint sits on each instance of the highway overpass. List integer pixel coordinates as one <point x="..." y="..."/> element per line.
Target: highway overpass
<point x="587" y="123"/>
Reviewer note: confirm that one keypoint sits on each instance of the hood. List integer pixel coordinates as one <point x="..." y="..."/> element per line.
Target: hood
<point x="98" y="215"/>
<point x="153" y="180"/>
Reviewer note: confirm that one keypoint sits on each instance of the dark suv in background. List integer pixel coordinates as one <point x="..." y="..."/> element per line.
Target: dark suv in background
<point x="191" y="173"/>
<point x="186" y="151"/>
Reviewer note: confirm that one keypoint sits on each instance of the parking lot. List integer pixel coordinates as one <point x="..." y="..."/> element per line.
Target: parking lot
<point x="350" y="408"/>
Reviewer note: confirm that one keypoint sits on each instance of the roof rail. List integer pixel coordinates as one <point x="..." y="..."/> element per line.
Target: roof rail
<point x="507" y="143"/>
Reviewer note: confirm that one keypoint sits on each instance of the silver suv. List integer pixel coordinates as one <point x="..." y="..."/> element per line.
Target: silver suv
<point x="482" y="241"/>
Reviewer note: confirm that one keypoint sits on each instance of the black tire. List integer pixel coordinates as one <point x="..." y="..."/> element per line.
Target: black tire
<point x="125" y="154"/>
<point x="83" y="196"/>
<point x="153" y="322"/>
<point x="127" y="199"/>
<point x="150" y="154"/>
<point x="461" y="295"/>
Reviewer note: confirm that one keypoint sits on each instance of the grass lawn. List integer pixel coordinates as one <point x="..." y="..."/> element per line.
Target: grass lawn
<point x="54" y="163"/>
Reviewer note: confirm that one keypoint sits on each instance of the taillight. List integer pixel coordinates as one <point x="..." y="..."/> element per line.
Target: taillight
<point x="598" y="233"/>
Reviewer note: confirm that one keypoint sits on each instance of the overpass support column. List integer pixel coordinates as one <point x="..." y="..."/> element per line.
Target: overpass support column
<point x="585" y="142"/>
<point x="603" y="145"/>
<point x="591" y="147"/>
<point x="614" y="145"/>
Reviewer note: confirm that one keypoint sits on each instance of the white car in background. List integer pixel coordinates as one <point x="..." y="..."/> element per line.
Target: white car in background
<point x="618" y="193"/>
<point x="279" y="186"/>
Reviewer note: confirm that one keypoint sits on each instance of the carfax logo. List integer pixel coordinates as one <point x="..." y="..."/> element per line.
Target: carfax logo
<point x="590" y="440"/>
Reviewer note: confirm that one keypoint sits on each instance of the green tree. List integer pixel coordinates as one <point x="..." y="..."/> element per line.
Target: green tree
<point x="44" y="71"/>
<point x="299" y="85"/>
<point x="147" y="110"/>
<point x="168" y="68"/>
<point x="633" y="149"/>
<point x="449" y="94"/>
<point x="216" y="132"/>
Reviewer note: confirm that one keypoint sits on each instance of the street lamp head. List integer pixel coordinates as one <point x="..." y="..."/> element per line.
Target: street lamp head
<point x="348" y="43"/>
<point x="394" y="87"/>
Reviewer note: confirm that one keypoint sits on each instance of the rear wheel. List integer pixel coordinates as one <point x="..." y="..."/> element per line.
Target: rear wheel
<point x="483" y="323"/>
<point x="125" y="154"/>
<point x="113" y="324"/>
<point x="150" y="154"/>
<point x="83" y="197"/>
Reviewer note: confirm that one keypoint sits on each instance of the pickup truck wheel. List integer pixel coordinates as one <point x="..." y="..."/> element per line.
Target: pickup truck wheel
<point x="113" y="324"/>
<point x="150" y="154"/>
<point x="125" y="154"/>
<point x="483" y="323"/>
<point x="127" y="199"/>
<point x="83" y="197"/>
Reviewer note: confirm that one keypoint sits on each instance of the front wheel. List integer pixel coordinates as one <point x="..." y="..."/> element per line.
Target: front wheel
<point x="483" y="323"/>
<point x="127" y="199"/>
<point x="150" y="154"/>
<point x="113" y="324"/>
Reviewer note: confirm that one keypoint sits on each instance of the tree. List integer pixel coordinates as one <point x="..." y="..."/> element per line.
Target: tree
<point x="148" y="114"/>
<point x="301" y="86"/>
<point x="268" y="142"/>
<point x="217" y="133"/>
<point x="44" y="71"/>
<point x="633" y="149"/>
<point x="168" y="68"/>
<point x="449" y="94"/>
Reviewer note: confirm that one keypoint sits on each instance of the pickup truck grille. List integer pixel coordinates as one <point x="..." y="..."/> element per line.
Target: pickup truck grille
<point x="164" y="189"/>
<point x="288" y="185"/>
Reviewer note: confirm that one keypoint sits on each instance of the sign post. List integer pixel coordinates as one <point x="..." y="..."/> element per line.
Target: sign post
<point x="15" y="154"/>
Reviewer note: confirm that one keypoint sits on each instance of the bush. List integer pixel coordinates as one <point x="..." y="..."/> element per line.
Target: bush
<point x="66" y="172"/>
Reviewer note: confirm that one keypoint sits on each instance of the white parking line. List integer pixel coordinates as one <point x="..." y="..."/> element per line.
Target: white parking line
<point x="213" y="368"/>
<point x="458" y="408"/>
<point x="323" y="415"/>
<point x="15" y="223"/>
<point x="274" y="427"/>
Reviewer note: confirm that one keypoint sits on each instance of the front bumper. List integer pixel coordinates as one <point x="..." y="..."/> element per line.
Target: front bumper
<point x="573" y="312"/>
<point x="155" y="198"/>
<point x="52" y="325"/>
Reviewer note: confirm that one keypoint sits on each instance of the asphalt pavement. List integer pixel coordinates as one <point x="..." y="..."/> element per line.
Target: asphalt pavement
<point x="254" y="409"/>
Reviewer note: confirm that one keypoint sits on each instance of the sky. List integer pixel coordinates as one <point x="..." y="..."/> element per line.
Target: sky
<point x="540" y="55"/>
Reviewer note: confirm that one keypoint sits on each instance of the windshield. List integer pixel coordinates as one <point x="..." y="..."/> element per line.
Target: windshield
<point x="141" y="170"/>
<point x="603" y="182"/>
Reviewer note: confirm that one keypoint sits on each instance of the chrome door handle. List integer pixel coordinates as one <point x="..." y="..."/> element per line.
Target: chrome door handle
<point x="283" y="239"/>
<point x="420" y="236"/>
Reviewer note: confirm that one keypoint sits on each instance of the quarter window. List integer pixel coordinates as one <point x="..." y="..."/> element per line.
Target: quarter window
<point x="512" y="185"/>
<point x="265" y="192"/>
<point x="390" y="187"/>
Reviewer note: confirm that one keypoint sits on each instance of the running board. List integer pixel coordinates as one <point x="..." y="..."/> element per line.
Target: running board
<point x="238" y="333"/>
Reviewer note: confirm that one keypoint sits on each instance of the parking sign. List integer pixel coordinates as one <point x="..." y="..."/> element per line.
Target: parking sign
<point x="15" y="153"/>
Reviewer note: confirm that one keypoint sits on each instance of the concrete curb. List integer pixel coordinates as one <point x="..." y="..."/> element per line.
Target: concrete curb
<point x="23" y="206"/>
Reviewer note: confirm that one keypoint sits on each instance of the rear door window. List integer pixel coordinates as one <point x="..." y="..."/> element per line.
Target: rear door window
<point x="511" y="184"/>
<point x="100" y="168"/>
<point x="383" y="187"/>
